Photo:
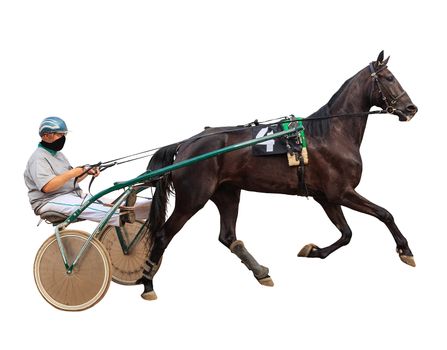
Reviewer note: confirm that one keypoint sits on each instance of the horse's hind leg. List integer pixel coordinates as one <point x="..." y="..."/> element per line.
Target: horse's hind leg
<point x="226" y="199"/>
<point x="355" y="201"/>
<point x="335" y="214"/>
<point x="183" y="211"/>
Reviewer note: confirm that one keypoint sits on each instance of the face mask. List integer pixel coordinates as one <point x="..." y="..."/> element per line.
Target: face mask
<point x="56" y="145"/>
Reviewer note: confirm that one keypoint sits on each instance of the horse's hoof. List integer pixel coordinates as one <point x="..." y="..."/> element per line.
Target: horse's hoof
<point x="266" y="281"/>
<point x="149" y="295"/>
<point x="409" y="260"/>
<point x="307" y="249"/>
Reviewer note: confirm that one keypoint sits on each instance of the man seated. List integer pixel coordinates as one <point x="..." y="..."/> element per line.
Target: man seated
<point x="51" y="179"/>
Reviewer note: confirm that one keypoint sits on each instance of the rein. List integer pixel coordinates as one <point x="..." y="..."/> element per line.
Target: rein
<point x="358" y="114"/>
<point x="105" y="165"/>
<point x="389" y="109"/>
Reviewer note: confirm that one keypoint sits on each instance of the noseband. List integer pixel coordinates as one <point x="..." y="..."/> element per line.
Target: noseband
<point x="393" y="99"/>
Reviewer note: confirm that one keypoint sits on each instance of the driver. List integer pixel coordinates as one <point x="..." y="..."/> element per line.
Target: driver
<point x="51" y="179"/>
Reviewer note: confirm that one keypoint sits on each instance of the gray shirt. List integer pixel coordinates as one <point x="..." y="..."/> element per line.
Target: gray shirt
<point x="42" y="167"/>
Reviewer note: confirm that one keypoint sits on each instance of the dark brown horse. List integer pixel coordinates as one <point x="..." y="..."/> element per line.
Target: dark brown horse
<point x="334" y="135"/>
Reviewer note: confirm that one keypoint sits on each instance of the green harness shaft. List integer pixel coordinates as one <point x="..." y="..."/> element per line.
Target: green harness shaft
<point x="146" y="176"/>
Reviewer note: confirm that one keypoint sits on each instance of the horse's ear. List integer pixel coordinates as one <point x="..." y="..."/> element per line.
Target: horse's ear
<point x="379" y="62"/>
<point x="384" y="63"/>
<point x="380" y="58"/>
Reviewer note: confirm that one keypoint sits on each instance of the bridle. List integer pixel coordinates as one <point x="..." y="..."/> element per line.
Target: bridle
<point x="389" y="104"/>
<point x="389" y="101"/>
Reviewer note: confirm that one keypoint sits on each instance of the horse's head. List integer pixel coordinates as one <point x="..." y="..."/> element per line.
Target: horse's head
<point x="387" y="93"/>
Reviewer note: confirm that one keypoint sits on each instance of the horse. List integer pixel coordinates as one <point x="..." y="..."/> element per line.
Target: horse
<point x="334" y="135"/>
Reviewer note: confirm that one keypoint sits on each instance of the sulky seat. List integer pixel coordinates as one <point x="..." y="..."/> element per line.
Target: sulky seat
<point x="54" y="217"/>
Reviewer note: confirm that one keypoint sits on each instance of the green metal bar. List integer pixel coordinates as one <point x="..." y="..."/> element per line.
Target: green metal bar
<point x="123" y="243"/>
<point x="99" y="228"/>
<point x="123" y="237"/>
<point x="138" y="236"/>
<point x="154" y="173"/>
<point x="61" y="247"/>
<point x="126" y="243"/>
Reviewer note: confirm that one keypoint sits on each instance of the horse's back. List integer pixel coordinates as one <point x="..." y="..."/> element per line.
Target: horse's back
<point x="239" y="168"/>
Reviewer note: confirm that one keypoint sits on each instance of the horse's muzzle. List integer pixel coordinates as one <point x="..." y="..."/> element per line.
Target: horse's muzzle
<point x="409" y="113"/>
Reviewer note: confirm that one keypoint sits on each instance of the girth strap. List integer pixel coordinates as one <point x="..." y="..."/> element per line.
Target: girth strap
<point x="301" y="179"/>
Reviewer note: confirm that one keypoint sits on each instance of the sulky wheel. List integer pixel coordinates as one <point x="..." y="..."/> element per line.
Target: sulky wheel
<point x="85" y="285"/>
<point x="127" y="268"/>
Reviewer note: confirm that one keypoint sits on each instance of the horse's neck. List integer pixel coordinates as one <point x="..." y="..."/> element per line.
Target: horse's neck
<point x="353" y="99"/>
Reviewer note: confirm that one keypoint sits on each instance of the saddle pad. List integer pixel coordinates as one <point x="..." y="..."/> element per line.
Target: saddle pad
<point x="270" y="147"/>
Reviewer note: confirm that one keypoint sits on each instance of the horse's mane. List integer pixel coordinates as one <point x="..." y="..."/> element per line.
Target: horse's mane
<point x="318" y="123"/>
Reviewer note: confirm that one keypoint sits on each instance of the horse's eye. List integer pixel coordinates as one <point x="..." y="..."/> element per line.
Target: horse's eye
<point x="389" y="78"/>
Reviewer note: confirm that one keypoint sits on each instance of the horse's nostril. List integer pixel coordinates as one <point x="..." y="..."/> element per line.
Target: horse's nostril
<point x="412" y="108"/>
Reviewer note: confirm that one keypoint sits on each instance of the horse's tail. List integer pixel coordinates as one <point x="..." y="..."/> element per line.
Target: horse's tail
<point x="163" y="186"/>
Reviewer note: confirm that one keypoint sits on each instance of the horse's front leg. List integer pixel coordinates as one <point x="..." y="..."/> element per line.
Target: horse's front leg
<point x="335" y="214"/>
<point x="356" y="202"/>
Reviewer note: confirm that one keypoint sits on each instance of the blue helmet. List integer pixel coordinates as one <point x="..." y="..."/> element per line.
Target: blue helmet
<point x="52" y="125"/>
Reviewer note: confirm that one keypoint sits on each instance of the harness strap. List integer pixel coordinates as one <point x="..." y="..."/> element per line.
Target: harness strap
<point x="302" y="182"/>
<point x="302" y="155"/>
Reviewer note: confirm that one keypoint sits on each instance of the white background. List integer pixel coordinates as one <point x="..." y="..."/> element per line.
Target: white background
<point x="132" y="75"/>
